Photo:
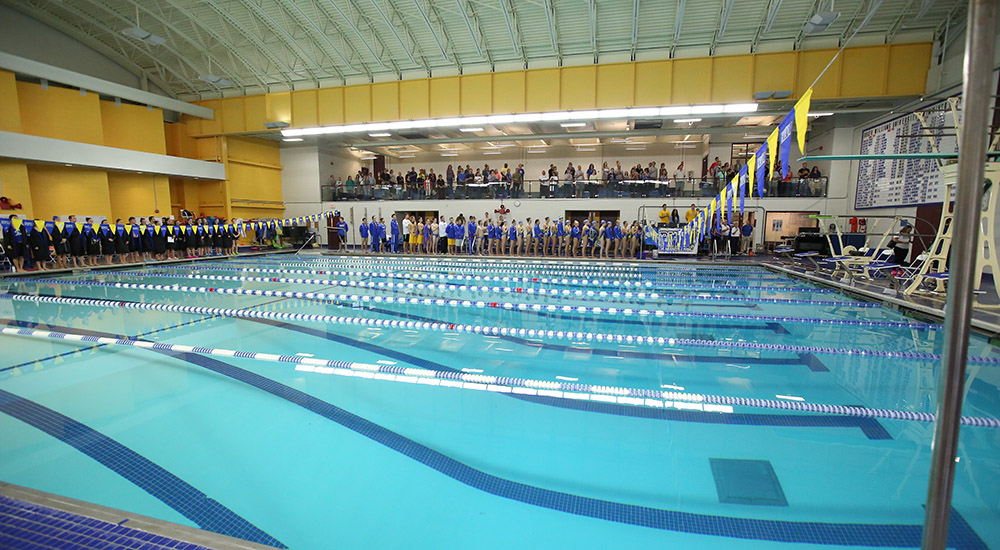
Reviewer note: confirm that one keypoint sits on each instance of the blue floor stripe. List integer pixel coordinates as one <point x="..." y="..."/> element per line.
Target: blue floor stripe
<point x="148" y="476"/>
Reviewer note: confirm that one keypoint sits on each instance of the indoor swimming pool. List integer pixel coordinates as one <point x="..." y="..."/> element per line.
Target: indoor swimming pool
<point x="309" y="401"/>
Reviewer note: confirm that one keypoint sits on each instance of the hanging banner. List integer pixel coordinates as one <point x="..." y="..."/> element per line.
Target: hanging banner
<point x="801" y="111"/>
<point x="746" y="178"/>
<point x="785" y="143"/>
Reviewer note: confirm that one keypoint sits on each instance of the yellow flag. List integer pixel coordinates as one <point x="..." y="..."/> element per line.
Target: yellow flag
<point x="60" y="226"/>
<point x="802" y="119"/>
<point x="16" y="223"/>
<point x="772" y="150"/>
<point x="751" y="173"/>
<point x="722" y="200"/>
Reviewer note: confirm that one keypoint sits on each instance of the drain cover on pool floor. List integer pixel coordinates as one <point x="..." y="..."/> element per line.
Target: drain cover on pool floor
<point x="741" y="481"/>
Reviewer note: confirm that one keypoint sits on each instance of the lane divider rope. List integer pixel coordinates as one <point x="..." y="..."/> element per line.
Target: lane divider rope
<point x="484" y="330"/>
<point x="467" y="303"/>
<point x="503" y="384"/>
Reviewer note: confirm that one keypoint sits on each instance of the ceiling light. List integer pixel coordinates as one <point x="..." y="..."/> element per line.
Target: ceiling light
<point x="145" y="36"/>
<point x="643" y="148"/>
<point x="572" y="124"/>
<point x="449" y="154"/>
<point x="527" y="117"/>
<point x="686" y="120"/>
<point x="683" y="146"/>
<point x="215" y="80"/>
<point x="536" y="150"/>
<point x="500" y="119"/>
<point x="585" y="149"/>
<point x="707" y="109"/>
<point x="473" y="129"/>
<point x="820" y="21"/>
<point x="612" y="113"/>
<point x="69" y="165"/>
<point x="380" y="134"/>
<point x="643" y="112"/>
<point x="406" y="156"/>
<point x="740" y="108"/>
<point x="543" y="145"/>
<point x="820" y="114"/>
<point x="687" y="141"/>
<point x="754" y="136"/>
<point x="491" y="152"/>
<point x="555" y="115"/>
<point x="368" y="158"/>
<point x="675" y="111"/>
<point x="292" y="139"/>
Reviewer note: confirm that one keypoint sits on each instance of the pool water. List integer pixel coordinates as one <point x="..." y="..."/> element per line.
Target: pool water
<point x="293" y="456"/>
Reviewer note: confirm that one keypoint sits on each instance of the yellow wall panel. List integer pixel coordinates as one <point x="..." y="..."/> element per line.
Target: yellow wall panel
<point x="255" y="112"/>
<point x="278" y="107"/>
<point x="331" y="106"/>
<point x="14" y="175"/>
<point x="178" y="141"/>
<point x="774" y="71"/>
<point x="259" y="151"/>
<point x="358" y="103"/>
<point x="61" y="190"/>
<point x="446" y="99"/>
<point x="508" y="92"/>
<point x="477" y="94"/>
<point x="578" y="87"/>
<point x="811" y="63"/>
<point x="615" y="85"/>
<point x="653" y="83"/>
<point x="192" y="124"/>
<point x="385" y="101"/>
<point x="134" y="195"/>
<point x="414" y="99"/>
<point x="732" y="79"/>
<point x="212" y="126"/>
<point x="254" y="182"/>
<point x="232" y="111"/>
<point x="60" y="113"/>
<point x="305" y="111"/>
<point x="692" y="81"/>
<point x="133" y="127"/>
<point x="10" y="117"/>
<point x="863" y="72"/>
<point x="906" y="62"/>
<point x="541" y="90"/>
<point x="209" y="148"/>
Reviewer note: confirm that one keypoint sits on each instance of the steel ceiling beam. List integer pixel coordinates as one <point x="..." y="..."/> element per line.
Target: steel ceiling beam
<point x="483" y="53"/>
<point x="319" y="36"/>
<point x="308" y="63"/>
<point x="772" y="14"/>
<point x="678" y="23"/>
<point x="898" y="22"/>
<point x="727" y="8"/>
<point x="347" y="19"/>
<point x="253" y="39"/>
<point x="230" y="48"/>
<point x="84" y="38"/>
<point x="392" y="29"/>
<point x="550" y="19"/>
<point x="427" y="21"/>
<point x="925" y="6"/>
<point x="592" y="9"/>
<point x="635" y="27"/>
<point x="511" y="18"/>
<point x="143" y="47"/>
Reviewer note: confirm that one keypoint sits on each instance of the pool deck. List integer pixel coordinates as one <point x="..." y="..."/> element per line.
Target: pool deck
<point x="35" y="519"/>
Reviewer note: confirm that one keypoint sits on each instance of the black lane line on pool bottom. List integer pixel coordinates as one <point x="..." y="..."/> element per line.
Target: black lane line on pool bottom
<point x="961" y="536"/>
<point x="188" y="501"/>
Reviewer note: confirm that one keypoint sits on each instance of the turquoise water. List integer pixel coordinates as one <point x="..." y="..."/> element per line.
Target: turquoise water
<point x="389" y="467"/>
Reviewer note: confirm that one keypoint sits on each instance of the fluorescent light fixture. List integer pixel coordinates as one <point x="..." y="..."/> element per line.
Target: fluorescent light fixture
<point x="572" y="124"/>
<point x="216" y="80"/>
<point x="707" y="109"/>
<point x="555" y="115"/>
<point x="621" y="140"/>
<point x="644" y="112"/>
<point x="612" y="113"/>
<point x="740" y="108"/>
<point x="69" y="165"/>
<point x="145" y="36"/>
<point x="585" y="149"/>
<point x="820" y="114"/>
<point x="685" y="146"/>
<point x="537" y="151"/>
<point x="675" y="111"/>
<point x="449" y="154"/>
<point x="291" y="139"/>
<point x="406" y="156"/>
<point x="754" y="136"/>
<point x="380" y="134"/>
<point x="635" y="148"/>
<point x="491" y="152"/>
<point x="500" y="119"/>
<point x="473" y="129"/>
<point x="687" y="141"/>
<point x="686" y="120"/>
<point x="536" y="145"/>
<point x="368" y="158"/>
<point x="527" y="117"/>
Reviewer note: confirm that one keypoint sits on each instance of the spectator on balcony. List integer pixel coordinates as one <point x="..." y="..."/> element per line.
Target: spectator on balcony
<point x="804" y="171"/>
<point x="679" y="177"/>
<point x="815" y="173"/>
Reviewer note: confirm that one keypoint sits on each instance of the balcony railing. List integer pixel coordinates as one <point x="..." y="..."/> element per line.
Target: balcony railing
<point x="690" y="187"/>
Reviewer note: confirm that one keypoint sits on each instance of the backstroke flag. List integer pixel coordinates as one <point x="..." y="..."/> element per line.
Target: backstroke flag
<point x="744" y="172"/>
<point x="785" y="142"/>
<point x="801" y="111"/>
<point x="760" y="160"/>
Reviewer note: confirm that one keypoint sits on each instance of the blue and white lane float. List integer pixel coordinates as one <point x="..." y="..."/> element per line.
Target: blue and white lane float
<point x="627" y="311"/>
<point x="628" y="295"/>
<point x="503" y="384"/>
<point x="604" y="283"/>
<point x="484" y="330"/>
<point x="713" y="316"/>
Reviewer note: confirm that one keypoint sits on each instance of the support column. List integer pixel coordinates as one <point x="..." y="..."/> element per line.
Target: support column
<point x="976" y="91"/>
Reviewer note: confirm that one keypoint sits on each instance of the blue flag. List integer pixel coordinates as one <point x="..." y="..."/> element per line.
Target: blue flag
<point x="742" y="185"/>
<point x="785" y="142"/>
<point x="761" y="169"/>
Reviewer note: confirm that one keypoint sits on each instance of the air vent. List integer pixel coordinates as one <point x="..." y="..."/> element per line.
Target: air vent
<point x="648" y="125"/>
<point x="413" y="135"/>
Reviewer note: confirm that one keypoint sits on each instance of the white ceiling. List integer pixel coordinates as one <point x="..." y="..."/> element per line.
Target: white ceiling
<point x="272" y="45"/>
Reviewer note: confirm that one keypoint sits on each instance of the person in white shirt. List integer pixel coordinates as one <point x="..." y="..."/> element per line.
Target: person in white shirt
<point x="442" y="235"/>
<point x="679" y="177"/>
<point x="734" y="238"/>
<point x="901" y="245"/>
<point x="406" y="234"/>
